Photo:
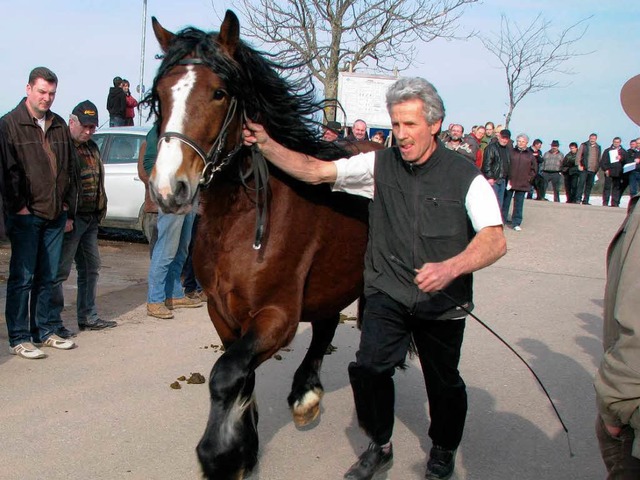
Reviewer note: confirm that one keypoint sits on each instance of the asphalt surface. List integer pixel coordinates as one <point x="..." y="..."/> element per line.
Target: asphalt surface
<point x="105" y="410"/>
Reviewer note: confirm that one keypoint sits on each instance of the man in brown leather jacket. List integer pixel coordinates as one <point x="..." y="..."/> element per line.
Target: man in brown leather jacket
<point x="39" y="198"/>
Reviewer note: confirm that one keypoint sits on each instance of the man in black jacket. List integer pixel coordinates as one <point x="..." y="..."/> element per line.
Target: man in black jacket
<point x="495" y="165"/>
<point x="633" y="155"/>
<point x="612" y="161"/>
<point x="117" y="104"/>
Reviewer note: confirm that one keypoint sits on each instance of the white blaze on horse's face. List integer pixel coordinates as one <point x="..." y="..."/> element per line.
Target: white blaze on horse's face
<point x="170" y="152"/>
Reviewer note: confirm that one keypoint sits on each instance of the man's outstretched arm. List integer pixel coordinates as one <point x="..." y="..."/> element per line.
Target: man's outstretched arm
<point x="298" y="165"/>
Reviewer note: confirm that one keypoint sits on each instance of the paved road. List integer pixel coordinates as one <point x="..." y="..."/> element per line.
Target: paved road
<point x="105" y="409"/>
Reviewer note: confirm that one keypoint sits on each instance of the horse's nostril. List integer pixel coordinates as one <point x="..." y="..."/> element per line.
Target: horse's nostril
<point x="182" y="190"/>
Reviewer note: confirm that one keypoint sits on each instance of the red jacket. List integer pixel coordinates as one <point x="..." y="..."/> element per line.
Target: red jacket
<point x="132" y="103"/>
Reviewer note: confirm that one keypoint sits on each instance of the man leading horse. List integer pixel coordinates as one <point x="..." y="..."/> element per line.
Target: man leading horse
<point x="433" y="210"/>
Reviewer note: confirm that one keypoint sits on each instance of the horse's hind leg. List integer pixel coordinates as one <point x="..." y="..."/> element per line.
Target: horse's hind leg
<point x="307" y="390"/>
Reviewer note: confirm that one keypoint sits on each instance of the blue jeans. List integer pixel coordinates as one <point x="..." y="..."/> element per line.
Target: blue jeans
<point x="518" y="206"/>
<point x="36" y="245"/>
<point x="190" y="282"/>
<point x="80" y="244"/>
<point x="169" y="255"/>
<point x="499" y="187"/>
<point x="634" y="183"/>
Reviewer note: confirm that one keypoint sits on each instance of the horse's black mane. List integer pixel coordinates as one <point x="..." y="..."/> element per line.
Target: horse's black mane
<point x="285" y="107"/>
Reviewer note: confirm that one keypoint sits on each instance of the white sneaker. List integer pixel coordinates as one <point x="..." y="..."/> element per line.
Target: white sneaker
<point x="27" y="350"/>
<point x="517" y="228"/>
<point x="54" y="341"/>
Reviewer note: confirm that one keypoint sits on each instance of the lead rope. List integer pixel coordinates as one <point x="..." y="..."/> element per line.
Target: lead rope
<point x="261" y="178"/>
<point x="412" y="272"/>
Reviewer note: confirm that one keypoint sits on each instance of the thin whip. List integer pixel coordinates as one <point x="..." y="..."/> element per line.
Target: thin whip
<point x="412" y="271"/>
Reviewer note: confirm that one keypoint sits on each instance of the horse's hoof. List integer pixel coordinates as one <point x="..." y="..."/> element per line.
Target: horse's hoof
<point x="307" y="410"/>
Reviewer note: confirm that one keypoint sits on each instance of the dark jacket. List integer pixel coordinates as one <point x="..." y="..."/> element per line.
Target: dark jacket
<point x="632" y="154"/>
<point x="117" y="102"/>
<point x="38" y="167"/>
<point x="569" y="166"/>
<point x="522" y="170"/>
<point x="102" y="194"/>
<point x="492" y="165"/>
<point x="615" y="168"/>
<point x="583" y="153"/>
<point x="418" y="215"/>
<point x="539" y="158"/>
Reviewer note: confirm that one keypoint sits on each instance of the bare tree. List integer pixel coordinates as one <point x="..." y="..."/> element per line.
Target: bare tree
<point x="532" y="56"/>
<point x="332" y="35"/>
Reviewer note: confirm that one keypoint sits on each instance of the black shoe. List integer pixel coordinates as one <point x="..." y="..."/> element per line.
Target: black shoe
<point x="372" y="461"/>
<point x="98" y="324"/>
<point x="440" y="464"/>
<point x="64" y="332"/>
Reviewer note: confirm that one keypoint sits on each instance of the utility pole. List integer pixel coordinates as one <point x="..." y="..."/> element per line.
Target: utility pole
<point x="141" y="88"/>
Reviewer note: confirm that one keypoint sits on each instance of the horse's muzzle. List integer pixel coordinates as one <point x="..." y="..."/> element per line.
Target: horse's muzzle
<point x="178" y="199"/>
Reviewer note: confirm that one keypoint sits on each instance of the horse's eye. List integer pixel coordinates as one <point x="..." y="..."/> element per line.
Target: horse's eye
<point x="219" y="94"/>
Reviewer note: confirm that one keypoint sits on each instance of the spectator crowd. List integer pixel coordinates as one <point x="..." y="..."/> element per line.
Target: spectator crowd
<point x="53" y="199"/>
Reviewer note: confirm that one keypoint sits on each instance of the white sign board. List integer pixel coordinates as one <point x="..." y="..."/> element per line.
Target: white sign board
<point x="364" y="96"/>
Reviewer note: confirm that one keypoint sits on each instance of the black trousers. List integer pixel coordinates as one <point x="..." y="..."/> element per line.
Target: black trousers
<point x="387" y="328"/>
<point x="612" y="189"/>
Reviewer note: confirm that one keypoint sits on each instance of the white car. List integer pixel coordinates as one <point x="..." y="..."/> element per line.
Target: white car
<point x="119" y="147"/>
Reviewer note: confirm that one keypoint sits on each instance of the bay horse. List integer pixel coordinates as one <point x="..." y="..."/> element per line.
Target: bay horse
<point x="270" y="251"/>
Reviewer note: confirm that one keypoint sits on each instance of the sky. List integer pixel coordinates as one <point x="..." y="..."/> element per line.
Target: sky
<point x="88" y="42"/>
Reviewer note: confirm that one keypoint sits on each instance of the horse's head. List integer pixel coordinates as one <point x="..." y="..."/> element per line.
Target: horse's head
<point x="198" y="118"/>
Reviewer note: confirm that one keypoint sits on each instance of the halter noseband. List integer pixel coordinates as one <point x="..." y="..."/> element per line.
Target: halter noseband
<point x="212" y="162"/>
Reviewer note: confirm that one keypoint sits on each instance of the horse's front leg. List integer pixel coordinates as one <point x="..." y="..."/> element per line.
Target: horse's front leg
<point x="307" y="390"/>
<point x="228" y="450"/>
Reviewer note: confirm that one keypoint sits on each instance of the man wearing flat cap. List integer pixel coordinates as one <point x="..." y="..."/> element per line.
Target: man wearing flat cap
<point x="551" y="168"/>
<point x="332" y="131"/>
<point x="81" y="243"/>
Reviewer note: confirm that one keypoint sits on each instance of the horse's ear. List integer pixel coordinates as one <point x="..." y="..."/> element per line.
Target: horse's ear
<point x="229" y="35"/>
<point x="165" y="37"/>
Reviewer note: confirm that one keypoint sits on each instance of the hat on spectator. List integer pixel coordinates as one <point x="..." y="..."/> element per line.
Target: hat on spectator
<point x="555" y="143"/>
<point x="87" y="113"/>
<point x="334" y="126"/>
<point x="505" y="133"/>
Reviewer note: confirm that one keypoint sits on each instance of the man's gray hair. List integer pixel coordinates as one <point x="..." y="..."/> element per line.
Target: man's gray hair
<point x="74" y="118"/>
<point x="412" y="88"/>
<point x="523" y="135"/>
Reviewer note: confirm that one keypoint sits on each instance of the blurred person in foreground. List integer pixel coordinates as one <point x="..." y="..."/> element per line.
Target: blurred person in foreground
<point x="617" y="382"/>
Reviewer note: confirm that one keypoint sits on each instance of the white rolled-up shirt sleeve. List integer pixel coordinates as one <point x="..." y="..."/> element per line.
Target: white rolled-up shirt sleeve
<point x="482" y="205"/>
<point x="355" y="175"/>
